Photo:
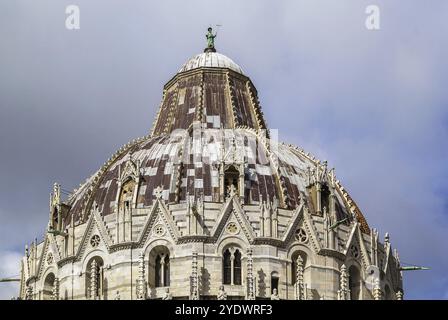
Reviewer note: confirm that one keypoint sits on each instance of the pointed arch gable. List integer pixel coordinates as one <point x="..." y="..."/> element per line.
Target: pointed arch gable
<point x="49" y="245"/>
<point x="293" y="224"/>
<point x="356" y="238"/>
<point x="94" y="223"/>
<point x="301" y="215"/>
<point x="391" y="270"/>
<point x="158" y="211"/>
<point x="233" y="209"/>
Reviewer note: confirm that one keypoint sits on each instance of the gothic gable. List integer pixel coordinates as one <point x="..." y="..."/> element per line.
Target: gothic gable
<point x="232" y="220"/>
<point x="50" y="254"/>
<point x="355" y="246"/>
<point x="95" y="235"/>
<point x="159" y="215"/>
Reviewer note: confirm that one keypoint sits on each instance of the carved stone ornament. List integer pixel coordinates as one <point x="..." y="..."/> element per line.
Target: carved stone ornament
<point x="95" y="241"/>
<point x="232" y="228"/>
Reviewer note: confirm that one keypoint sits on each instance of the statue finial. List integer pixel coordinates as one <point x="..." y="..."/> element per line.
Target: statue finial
<point x="210" y="40"/>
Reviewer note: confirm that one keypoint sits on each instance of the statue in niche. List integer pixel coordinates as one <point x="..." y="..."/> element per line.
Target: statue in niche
<point x="274" y="295"/>
<point x="222" y="294"/>
<point x="168" y="295"/>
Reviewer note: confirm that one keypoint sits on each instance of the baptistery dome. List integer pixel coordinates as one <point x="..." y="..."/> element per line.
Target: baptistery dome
<point x="210" y="188"/>
<point x="210" y="59"/>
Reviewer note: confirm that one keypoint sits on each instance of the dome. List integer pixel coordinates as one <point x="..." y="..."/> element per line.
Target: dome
<point x="223" y="110"/>
<point x="209" y="184"/>
<point x="279" y="174"/>
<point x="210" y="60"/>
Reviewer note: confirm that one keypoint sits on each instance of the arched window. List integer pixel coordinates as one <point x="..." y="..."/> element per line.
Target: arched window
<point x="237" y="268"/>
<point x="354" y="280"/>
<point x="159" y="267"/>
<point x="94" y="275"/>
<point x="232" y="267"/>
<point x="48" y="287"/>
<point x="227" y="268"/>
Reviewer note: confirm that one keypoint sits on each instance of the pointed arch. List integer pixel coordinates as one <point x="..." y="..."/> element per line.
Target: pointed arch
<point x="159" y="267"/>
<point x="355" y="282"/>
<point x="48" y="286"/>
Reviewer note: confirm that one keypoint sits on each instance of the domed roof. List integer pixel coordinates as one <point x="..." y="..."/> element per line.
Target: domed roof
<point x="169" y="164"/>
<point x="211" y="60"/>
<point x="195" y="151"/>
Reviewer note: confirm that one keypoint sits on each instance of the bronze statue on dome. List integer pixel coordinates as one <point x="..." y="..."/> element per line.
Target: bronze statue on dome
<point x="210" y="40"/>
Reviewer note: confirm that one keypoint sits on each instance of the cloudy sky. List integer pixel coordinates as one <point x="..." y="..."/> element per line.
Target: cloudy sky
<point x="372" y="103"/>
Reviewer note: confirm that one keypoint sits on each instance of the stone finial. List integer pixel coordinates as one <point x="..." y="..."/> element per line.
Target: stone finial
<point x="158" y="192"/>
<point x="250" y="276"/>
<point x="56" y="194"/>
<point x="397" y="257"/>
<point x="386" y="238"/>
<point x="344" y="291"/>
<point x="377" y="293"/>
<point x="29" y="293"/>
<point x="94" y="280"/>
<point x="141" y="283"/>
<point x="300" y="285"/>
<point x="333" y="178"/>
<point x="55" y="295"/>
<point x="194" y="283"/>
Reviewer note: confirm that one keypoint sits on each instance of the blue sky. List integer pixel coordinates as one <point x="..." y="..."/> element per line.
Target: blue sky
<point x="372" y="103"/>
